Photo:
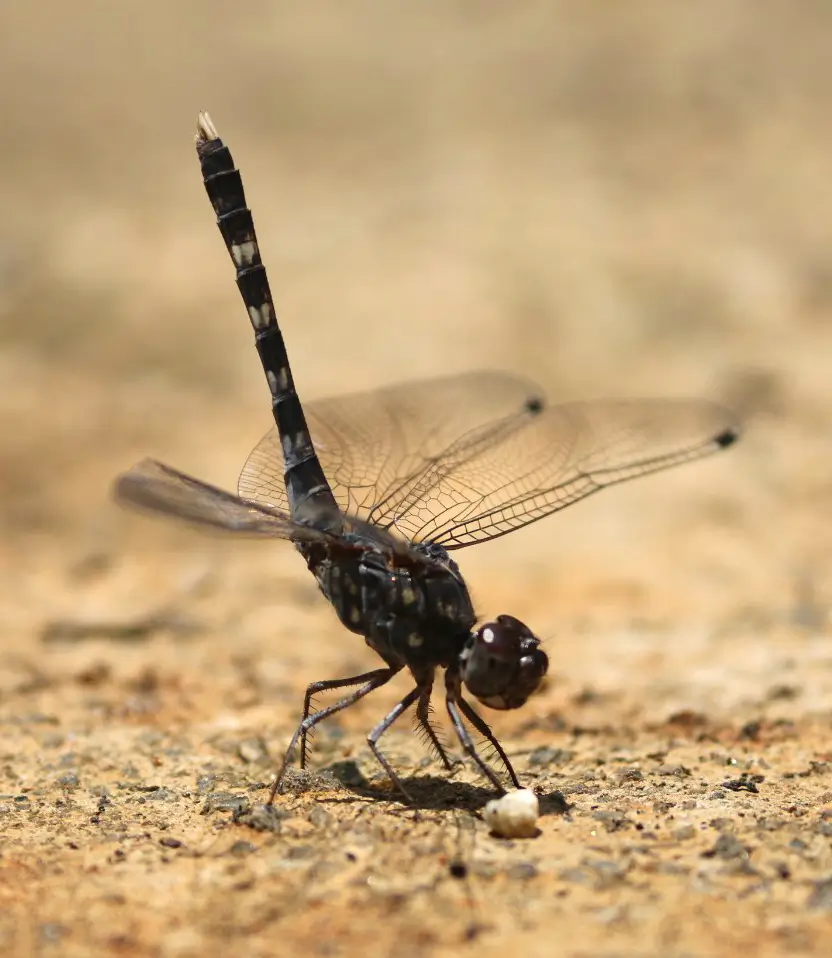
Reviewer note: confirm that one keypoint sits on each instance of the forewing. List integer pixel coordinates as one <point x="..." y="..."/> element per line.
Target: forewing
<point x="464" y="459"/>
<point x="155" y="487"/>
<point x="538" y="465"/>
<point x="372" y="444"/>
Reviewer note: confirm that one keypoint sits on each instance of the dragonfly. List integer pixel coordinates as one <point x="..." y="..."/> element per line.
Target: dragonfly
<point x="377" y="489"/>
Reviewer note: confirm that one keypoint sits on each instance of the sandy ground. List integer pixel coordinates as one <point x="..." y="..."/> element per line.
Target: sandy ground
<point x="617" y="200"/>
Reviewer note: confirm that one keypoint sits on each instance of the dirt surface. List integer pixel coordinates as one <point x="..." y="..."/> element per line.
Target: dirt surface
<point x="618" y="200"/>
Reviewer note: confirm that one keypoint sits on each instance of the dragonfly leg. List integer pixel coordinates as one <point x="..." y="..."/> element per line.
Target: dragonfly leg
<point x="374" y="680"/>
<point x="327" y="686"/>
<point x="480" y="725"/>
<point x="383" y="726"/>
<point x="456" y="705"/>
<point x="423" y="718"/>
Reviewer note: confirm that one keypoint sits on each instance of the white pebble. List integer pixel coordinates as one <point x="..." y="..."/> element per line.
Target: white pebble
<point x="514" y="815"/>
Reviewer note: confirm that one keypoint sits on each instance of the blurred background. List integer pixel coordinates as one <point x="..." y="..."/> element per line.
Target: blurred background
<point x="617" y="200"/>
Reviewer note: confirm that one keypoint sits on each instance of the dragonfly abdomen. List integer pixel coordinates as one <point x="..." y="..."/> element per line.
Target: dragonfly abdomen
<point x="308" y="491"/>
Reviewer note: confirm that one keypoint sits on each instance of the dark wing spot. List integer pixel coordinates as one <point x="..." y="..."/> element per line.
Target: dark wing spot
<point x="727" y="438"/>
<point x="534" y="404"/>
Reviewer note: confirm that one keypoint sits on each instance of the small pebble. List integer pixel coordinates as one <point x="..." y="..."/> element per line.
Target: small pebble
<point x="514" y="815"/>
<point x="170" y="842"/>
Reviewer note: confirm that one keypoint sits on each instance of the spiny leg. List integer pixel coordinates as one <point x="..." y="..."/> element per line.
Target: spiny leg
<point x="327" y="686"/>
<point x="452" y="698"/>
<point x="375" y="680"/>
<point x="482" y="727"/>
<point x="383" y="726"/>
<point x="423" y="718"/>
<point x="470" y="748"/>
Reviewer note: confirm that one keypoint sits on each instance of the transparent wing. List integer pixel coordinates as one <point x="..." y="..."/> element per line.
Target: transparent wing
<point x="153" y="486"/>
<point x="521" y="471"/>
<point x="370" y="443"/>
<point x="465" y="459"/>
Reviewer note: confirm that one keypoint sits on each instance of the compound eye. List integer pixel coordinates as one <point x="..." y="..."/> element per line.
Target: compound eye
<point x="515" y="626"/>
<point x="502" y="664"/>
<point x="499" y="640"/>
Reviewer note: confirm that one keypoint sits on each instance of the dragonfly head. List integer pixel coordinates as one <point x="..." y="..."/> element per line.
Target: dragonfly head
<point x="502" y="663"/>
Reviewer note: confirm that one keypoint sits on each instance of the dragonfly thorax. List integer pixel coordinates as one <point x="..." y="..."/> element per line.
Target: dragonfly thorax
<point x="416" y="617"/>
